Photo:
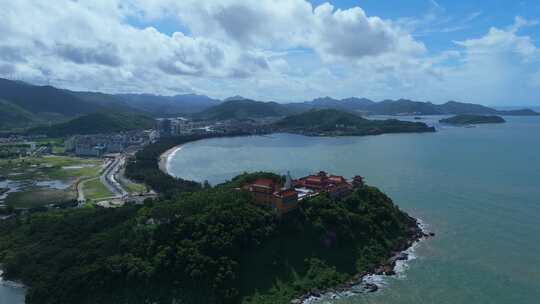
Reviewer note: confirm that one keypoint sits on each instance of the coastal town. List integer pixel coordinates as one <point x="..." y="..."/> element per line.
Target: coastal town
<point x="93" y="165"/>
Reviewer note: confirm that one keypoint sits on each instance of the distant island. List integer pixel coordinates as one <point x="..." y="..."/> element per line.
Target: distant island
<point x="329" y="122"/>
<point x="472" y="119"/>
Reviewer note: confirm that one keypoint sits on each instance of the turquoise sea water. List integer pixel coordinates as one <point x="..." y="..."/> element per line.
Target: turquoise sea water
<point x="477" y="188"/>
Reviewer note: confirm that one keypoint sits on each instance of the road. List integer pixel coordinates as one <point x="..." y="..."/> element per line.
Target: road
<point x="107" y="178"/>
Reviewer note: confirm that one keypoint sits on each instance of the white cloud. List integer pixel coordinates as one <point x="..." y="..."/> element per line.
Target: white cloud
<point x="266" y="49"/>
<point x="351" y="34"/>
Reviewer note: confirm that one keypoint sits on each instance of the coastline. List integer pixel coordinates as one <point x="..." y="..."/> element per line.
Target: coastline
<point x="369" y="281"/>
<point x="10" y="284"/>
<point x="165" y="157"/>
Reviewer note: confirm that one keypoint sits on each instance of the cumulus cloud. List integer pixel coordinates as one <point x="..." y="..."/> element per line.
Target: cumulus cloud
<point x="105" y="54"/>
<point x="352" y="34"/>
<point x="266" y="49"/>
<point x="92" y="38"/>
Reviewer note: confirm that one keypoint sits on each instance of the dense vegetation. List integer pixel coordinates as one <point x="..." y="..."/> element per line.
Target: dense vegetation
<point x="209" y="246"/>
<point x="95" y="123"/>
<point x="472" y="119"/>
<point x="33" y="105"/>
<point x="144" y="168"/>
<point x="243" y="109"/>
<point x="12" y="115"/>
<point x="169" y="105"/>
<point x="334" y="122"/>
<point x="43" y="99"/>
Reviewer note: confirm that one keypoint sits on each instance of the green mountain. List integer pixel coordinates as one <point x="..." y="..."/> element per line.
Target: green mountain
<point x="45" y="104"/>
<point x="95" y="123"/>
<point x="466" y="119"/>
<point x="334" y="122"/>
<point x="159" y="105"/>
<point x="13" y="116"/>
<point x="243" y="109"/>
<point x="44" y="99"/>
<point x="405" y="107"/>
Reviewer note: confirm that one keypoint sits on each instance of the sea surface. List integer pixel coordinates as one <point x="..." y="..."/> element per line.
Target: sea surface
<point x="477" y="188"/>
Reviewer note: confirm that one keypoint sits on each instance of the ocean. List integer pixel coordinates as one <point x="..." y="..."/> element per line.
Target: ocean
<point x="477" y="188"/>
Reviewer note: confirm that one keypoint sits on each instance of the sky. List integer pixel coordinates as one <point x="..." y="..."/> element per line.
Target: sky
<point x="477" y="51"/>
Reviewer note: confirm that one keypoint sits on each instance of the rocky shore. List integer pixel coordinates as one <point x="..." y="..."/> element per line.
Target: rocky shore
<point x="359" y="282"/>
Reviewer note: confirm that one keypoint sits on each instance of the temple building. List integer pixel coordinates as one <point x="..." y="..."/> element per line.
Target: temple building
<point x="284" y="198"/>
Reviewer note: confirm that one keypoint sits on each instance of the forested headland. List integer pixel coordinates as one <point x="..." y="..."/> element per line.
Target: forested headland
<point x="210" y="245"/>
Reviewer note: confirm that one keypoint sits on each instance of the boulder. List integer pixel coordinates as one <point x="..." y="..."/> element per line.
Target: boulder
<point x="370" y="287"/>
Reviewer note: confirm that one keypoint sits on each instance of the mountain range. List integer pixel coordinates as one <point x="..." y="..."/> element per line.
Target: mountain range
<point x="24" y="105"/>
<point x="244" y="109"/>
<point x="406" y="107"/>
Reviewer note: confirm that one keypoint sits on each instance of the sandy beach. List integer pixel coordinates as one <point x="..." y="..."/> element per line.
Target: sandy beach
<point x="164" y="158"/>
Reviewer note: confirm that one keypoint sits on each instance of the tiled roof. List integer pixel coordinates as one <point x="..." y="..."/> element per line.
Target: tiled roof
<point x="264" y="182"/>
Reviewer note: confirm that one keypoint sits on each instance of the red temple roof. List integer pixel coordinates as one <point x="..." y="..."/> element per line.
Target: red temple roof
<point x="337" y="179"/>
<point x="264" y="182"/>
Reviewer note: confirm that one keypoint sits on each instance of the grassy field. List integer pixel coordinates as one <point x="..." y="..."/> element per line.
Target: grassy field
<point x="134" y="188"/>
<point x="95" y="190"/>
<point x="49" y="167"/>
<point x="37" y="197"/>
<point x="63" y="169"/>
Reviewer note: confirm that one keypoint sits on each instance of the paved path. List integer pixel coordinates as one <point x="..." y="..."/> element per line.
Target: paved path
<point x="109" y="180"/>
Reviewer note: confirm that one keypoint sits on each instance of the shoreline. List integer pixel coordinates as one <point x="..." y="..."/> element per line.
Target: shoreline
<point x="367" y="281"/>
<point x="10" y="284"/>
<point x="165" y="157"/>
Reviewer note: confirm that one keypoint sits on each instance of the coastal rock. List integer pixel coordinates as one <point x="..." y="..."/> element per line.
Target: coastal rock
<point x="370" y="287"/>
<point x="400" y="256"/>
<point x="379" y="271"/>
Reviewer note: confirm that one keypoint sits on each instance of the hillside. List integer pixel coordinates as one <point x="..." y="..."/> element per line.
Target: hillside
<point x="466" y="119"/>
<point x="243" y="109"/>
<point x="404" y="107"/>
<point x="168" y="105"/>
<point x="109" y="101"/>
<point x="44" y="99"/>
<point x="211" y="246"/>
<point x="13" y="116"/>
<point x="330" y="122"/>
<point x="33" y="105"/>
<point x="95" y="123"/>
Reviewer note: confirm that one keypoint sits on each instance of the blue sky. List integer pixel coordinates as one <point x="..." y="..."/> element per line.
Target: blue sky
<point x="284" y="50"/>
